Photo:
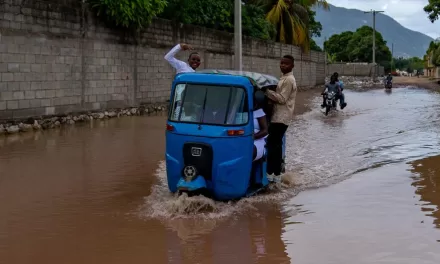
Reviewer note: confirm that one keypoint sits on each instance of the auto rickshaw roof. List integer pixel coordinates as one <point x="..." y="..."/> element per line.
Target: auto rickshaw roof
<point x="258" y="79"/>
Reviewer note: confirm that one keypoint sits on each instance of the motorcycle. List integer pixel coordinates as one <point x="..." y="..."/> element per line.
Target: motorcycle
<point x="388" y="84"/>
<point x="330" y="101"/>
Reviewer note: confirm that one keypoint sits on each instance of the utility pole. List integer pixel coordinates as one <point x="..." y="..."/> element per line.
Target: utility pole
<point x="392" y="56"/>
<point x="374" y="12"/>
<point x="325" y="57"/>
<point x="238" y="36"/>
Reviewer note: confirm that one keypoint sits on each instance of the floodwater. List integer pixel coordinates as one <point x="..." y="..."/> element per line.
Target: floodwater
<point x="366" y="190"/>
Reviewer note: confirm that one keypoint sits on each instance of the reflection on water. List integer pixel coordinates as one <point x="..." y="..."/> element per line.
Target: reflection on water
<point x="427" y="182"/>
<point x="64" y="196"/>
<point x="250" y="239"/>
<point x="373" y="217"/>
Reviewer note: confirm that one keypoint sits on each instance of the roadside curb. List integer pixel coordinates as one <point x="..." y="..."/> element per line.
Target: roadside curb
<point x="9" y="127"/>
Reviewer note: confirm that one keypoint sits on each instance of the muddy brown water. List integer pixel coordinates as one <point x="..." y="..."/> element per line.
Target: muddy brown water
<point x="367" y="191"/>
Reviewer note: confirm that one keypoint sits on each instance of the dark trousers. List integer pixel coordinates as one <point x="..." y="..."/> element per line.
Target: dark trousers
<point x="275" y="148"/>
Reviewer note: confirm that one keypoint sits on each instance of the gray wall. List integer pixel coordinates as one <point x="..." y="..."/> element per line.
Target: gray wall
<point x="353" y="69"/>
<point x="55" y="60"/>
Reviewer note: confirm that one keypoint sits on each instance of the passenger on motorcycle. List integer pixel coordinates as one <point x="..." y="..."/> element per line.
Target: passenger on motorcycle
<point x="337" y="80"/>
<point x="335" y="87"/>
<point x="341" y="84"/>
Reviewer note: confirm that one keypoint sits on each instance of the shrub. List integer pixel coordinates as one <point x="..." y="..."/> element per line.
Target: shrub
<point x="133" y="14"/>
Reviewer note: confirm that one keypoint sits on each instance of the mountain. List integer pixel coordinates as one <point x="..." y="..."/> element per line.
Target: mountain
<point x="407" y="43"/>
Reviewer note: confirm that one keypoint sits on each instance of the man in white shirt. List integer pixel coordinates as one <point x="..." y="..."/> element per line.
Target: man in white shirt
<point x="180" y="66"/>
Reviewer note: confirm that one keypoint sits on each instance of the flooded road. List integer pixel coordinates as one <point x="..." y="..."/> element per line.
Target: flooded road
<point x="98" y="194"/>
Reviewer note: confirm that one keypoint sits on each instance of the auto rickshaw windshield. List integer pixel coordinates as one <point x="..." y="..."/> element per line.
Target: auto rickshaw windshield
<point x="209" y="104"/>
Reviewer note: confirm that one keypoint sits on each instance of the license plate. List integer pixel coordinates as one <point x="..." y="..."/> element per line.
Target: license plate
<point x="196" y="152"/>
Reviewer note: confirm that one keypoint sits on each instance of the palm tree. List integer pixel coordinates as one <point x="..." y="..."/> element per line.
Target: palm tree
<point x="291" y="19"/>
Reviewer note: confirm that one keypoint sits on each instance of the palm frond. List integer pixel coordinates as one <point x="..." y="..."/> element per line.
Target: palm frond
<point x="274" y="16"/>
<point x="291" y="19"/>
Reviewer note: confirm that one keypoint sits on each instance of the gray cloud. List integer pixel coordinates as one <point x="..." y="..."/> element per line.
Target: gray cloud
<point x="409" y="13"/>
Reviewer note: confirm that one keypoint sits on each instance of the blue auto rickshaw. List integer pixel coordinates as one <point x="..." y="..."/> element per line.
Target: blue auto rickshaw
<point x="213" y="156"/>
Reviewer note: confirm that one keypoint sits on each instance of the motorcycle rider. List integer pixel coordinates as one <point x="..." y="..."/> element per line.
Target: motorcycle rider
<point x="389" y="78"/>
<point x="341" y="84"/>
<point x="334" y="86"/>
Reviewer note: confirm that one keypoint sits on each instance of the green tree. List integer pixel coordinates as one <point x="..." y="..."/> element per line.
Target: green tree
<point x="337" y="44"/>
<point x="291" y="18"/>
<point x="436" y="57"/>
<point x="360" y="46"/>
<point x="409" y="64"/>
<point x="219" y="15"/>
<point x="357" y="46"/>
<point x="433" y="10"/>
<point x="258" y="21"/>
<point x="254" y="23"/>
<point x="132" y="14"/>
<point x="433" y="53"/>
<point x="314" y="46"/>
<point x="215" y="14"/>
<point x="315" y="28"/>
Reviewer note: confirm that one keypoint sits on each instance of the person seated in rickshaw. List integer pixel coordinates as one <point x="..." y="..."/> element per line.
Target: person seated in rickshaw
<point x="260" y="133"/>
<point x="190" y="112"/>
<point x="215" y="113"/>
<point x="216" y="106"/>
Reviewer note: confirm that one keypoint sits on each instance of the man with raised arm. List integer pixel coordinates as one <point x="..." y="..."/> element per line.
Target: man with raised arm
<point x="180" y="66"/>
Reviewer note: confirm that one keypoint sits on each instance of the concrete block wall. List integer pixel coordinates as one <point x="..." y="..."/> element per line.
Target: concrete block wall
<point x="353" y="69"/>
<point x="54" y="59"/>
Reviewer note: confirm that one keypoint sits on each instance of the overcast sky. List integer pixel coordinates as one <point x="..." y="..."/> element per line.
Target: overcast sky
<point x="408" y="13"/>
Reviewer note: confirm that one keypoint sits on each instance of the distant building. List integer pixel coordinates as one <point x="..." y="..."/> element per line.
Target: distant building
<point x="430" y="69"/>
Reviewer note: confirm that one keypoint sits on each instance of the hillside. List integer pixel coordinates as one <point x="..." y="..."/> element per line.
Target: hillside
<point x="407" y="43"/>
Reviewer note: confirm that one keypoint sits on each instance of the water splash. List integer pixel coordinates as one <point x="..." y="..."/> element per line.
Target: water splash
<point x="161" y="204"/>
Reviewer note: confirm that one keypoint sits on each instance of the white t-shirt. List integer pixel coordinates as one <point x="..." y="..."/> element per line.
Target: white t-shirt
<point x="257" y="114"/>
<point x="178" y="65"/>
